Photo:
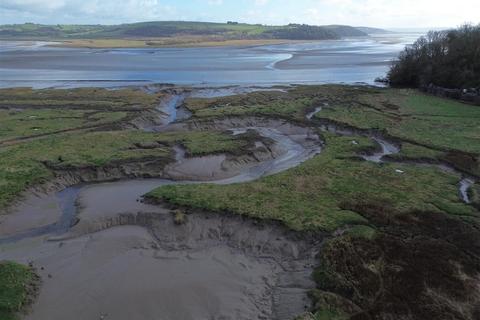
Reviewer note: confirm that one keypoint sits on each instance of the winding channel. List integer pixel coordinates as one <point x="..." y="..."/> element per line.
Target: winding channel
<point x="104" y="243"/>
<point x="390" y="148"/>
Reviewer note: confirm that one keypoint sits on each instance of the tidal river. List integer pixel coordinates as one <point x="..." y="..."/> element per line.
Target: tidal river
<point x="355" y="60"/>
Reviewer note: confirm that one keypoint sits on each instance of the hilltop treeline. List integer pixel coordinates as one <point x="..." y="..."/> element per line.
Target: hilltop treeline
<point x="307" y="32"/>
<point x="227" y="31"/>
<point x="449" y="59"/>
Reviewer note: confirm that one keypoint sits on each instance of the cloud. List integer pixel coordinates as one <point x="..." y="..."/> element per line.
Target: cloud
<point x="260" y="2"/>
<point x="380" y="13"/>
<point x="385" y="13"/>
<point x="86" y="11"/>
<point x="32" y="5"/>
<point x="215" y="2"/>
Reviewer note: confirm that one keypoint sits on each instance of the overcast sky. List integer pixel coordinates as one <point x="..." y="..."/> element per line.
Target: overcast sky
<point x="375" y="13"/>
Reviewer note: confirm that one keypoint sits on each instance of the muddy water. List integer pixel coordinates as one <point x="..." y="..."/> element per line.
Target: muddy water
<point x="465" y="185"/>
<point x="40" y="214"/>
<point x="169" y="107"/>
<point x="310" y="115"/>
<point x="387" y="148"/>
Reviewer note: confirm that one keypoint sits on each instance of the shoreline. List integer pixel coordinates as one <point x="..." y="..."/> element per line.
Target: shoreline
<point x="166" y="43"/>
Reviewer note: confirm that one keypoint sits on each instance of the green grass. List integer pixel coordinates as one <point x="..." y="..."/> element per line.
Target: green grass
<point x="14" y="282"/>
<point x="28" y="113"/>
<point x="412" y="151"/>
<point x="362" y="231"/>
<point x="199" y="143"/>
<point x="474" y="194"/>
<point x="327" y="306"/>
<point x="313" y="195"/>
<point x="411" y="115"/>
<point x="327" y="314"/>
<point x="257" y="103"/>
<point x="81" y="98"/>
<point x="22" y="165"/>
<point x="294" y="104"/>
<point x="36" y="122"/>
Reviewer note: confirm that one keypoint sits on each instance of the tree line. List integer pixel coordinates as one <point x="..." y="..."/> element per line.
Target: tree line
<point x="449" y="59"/>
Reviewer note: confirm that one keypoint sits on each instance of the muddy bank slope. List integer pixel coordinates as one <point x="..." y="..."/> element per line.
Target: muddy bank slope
<point x="209" y="266"/>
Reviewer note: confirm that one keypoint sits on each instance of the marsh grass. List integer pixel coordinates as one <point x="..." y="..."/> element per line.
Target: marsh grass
<point x="23" y="165"/>
<point x="80" y="98"/>
<point x="313" y="195"/>
<point x="15" y="280"/>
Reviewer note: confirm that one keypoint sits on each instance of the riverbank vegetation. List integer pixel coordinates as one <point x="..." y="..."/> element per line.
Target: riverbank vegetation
<point x="448" y="59"/>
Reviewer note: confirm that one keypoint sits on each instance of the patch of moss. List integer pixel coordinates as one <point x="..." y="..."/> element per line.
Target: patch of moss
<point x="17" y="284"/>
<point x="362" y="231"/>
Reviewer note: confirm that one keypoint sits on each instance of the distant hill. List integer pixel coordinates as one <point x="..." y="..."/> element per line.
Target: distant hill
<point x="346" y="31"/>
<point x="369" y="30"/>
<point x="162" y="29"/>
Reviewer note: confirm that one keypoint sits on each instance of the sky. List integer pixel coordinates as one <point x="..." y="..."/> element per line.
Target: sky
<point x="373" y="13"/>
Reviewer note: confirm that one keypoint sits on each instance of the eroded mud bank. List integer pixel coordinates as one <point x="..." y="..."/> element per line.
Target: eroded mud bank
<point x="210" y="267"/>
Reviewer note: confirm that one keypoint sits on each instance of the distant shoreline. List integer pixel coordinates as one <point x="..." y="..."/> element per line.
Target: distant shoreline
<point x="159" y="34"/>
<point x="165" y="43"/>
